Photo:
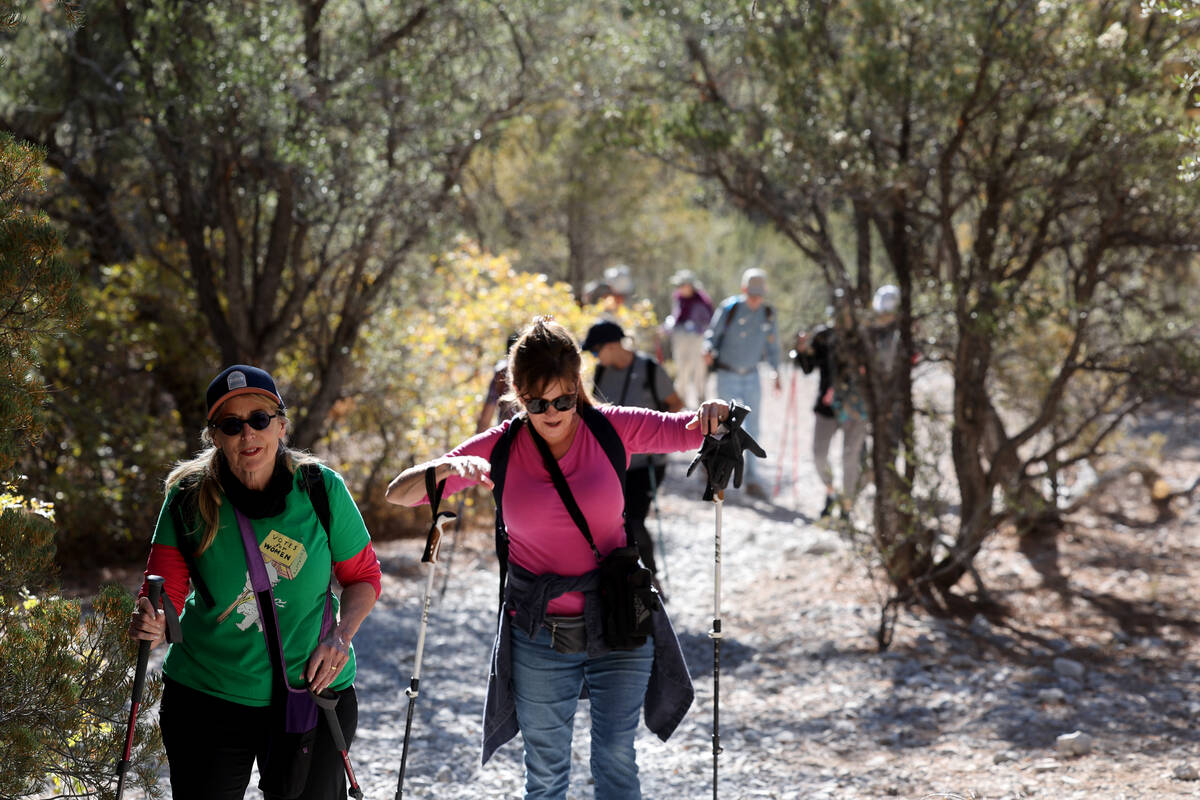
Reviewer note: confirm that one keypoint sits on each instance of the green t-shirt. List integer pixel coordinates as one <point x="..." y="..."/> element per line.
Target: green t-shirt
<point x="224" y="652"/>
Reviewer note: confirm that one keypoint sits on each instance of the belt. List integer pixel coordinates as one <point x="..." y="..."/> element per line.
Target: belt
<point x="726" y="368"/>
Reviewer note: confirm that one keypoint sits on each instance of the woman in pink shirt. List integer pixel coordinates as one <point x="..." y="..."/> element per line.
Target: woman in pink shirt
<point x="549" y="650"/>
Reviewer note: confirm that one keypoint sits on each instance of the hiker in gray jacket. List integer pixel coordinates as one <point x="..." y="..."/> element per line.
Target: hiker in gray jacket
<point x="743" y="333"/>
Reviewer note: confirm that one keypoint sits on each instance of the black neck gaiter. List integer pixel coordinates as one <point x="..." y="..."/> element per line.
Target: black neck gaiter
<point x="258" y="503"/>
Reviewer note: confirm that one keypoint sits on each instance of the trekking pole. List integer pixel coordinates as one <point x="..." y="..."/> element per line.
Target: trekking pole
<point x="789" y="426"/>
<point x="795" y="411"/>
<point x="173" y="633"/>
<point x="721" y="455"/>
<point x="662" y="547"/>
<point x="432" y="542"/>
<point x="327" y="701"/>
<point x="716" y="635"/>
<point x="154" y="592"/>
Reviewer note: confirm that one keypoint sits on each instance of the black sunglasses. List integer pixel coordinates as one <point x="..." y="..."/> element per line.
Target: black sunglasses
<point x="232" y="426"/>
<point x="540" y="405"/>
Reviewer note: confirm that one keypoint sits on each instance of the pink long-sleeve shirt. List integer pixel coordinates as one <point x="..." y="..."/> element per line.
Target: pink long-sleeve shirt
<point x="542" y="536"/>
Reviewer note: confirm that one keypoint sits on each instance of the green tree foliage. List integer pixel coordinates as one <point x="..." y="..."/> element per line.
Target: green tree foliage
<point x="66" y="681"/>
<point x="112" y="429"/>
<point x="251" y="180"/>
<point x="1012" y="168"/>
<point x="564" y="189"/>
<point x="64" y="702"/>
<point x="284" y="159"/>
<point x="38" y="291"/>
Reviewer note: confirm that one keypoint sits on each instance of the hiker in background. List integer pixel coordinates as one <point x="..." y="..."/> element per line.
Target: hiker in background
<point x="691" y="311"/>
<point x="595" y="292"/>
<point x="742" y="334"/>
<point x="818" y="350"/>
<point x="625" y="377"/>
<point x="849" y="403"/>
<point x="883" y="330"/>
<point x="222" y="701"/>
<point x="551" y="640"/>
<point x="620" y="283"/>
<point x="496" y="406"/>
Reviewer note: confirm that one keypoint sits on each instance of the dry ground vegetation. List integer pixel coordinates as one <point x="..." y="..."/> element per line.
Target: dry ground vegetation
<point x="1114" y="590"/>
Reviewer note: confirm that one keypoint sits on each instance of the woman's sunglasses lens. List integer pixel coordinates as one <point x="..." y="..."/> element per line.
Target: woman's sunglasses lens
<point x="258" y="420"/>
<point x="539" y="405"/>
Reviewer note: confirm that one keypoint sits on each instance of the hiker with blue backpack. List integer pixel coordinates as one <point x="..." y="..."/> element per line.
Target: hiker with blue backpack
<point x="261" y="666"/>
<point x="742" y="334"/>
<point x="577" y="611"/>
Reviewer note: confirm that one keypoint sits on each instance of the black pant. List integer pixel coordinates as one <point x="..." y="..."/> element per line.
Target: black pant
<point x="212" y="743"/>
<point x="638" y="495"/>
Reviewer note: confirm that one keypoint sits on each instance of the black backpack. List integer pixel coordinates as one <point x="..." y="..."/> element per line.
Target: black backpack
<point x="651" y="380"/>
<point x="600" y="427"/>
<point x="312" y="483"/>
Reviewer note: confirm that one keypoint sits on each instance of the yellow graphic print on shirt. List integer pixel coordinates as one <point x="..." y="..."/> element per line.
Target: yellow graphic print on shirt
<point x="284" y="558"/>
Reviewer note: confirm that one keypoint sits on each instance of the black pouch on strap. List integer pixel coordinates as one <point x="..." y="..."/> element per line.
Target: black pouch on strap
<point x="628" y="599"/>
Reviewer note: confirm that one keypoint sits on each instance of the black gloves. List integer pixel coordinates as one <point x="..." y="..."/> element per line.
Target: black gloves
<point x="721" y="454"/>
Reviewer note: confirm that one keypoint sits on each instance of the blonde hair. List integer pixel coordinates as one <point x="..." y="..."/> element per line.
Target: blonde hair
<point x="198" y="478"/>
<point x="543" y="353"/>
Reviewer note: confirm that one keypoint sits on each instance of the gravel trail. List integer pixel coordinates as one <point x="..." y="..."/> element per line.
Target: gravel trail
<point x="810" y="708"/>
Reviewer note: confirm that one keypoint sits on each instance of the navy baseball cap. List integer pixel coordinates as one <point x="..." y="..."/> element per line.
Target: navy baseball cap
<point x="236" y="380"/>
<point x="601" y="334"/>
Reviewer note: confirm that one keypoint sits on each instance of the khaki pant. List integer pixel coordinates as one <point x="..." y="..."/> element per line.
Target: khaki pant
<point x="691" y="373"/>
<point x="854" y="434"/>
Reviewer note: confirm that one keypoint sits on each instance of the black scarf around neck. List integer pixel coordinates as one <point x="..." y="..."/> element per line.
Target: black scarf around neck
<point x="258" y="503"/>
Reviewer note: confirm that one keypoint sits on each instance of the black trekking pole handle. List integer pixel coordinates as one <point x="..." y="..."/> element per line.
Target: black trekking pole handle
<point x="154" y="593"/>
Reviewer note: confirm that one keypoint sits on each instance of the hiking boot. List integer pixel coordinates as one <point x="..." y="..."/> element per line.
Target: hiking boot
<point x="827" y="509"/>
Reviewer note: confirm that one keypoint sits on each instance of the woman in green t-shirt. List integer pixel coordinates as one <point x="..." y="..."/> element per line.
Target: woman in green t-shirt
<point x="223" y="698"/>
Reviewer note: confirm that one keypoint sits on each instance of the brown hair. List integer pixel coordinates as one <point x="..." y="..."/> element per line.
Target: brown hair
<point x="543" y="353"/>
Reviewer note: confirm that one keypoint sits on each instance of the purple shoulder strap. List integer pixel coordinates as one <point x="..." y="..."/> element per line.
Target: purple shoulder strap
<point x="260" y="582"/>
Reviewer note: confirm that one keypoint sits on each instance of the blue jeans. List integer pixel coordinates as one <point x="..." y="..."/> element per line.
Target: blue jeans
<point x="547" y="685"/>
<point x="748" y="389"/>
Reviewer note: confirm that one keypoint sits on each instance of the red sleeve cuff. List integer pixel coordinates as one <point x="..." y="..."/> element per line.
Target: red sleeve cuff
<point x="362" y="568"/>
<point x="167" y="562"/>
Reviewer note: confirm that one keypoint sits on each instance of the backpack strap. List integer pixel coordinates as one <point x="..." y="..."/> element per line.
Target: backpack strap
<point x="499" y="465"/>
<point x="725" y="323"/>
<point x="564" y="492"/>
<point x="313" y="483"/>
<point x="651" y="383"/>
<point x="606" y="434"/>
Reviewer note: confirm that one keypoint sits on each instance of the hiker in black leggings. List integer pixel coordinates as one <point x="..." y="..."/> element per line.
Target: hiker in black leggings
<point x="255" y="527"/>
<point x="625" y="377"/>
